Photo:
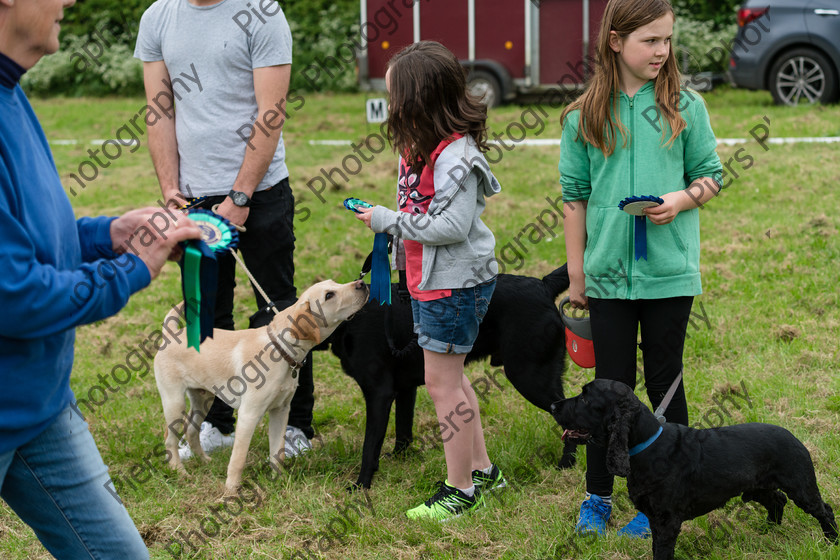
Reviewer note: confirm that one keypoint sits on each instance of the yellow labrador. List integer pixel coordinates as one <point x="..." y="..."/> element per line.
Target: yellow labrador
<point x="253" y="370"/>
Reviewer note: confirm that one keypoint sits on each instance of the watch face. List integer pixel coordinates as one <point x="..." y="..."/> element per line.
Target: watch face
<point x="240" y="199"/>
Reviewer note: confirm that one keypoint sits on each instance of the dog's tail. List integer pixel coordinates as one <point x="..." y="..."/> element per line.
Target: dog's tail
<point x="557" y="281"/>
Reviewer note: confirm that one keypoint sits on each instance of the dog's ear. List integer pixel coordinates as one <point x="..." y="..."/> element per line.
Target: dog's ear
<point x="618" y="458"/>
<point x="306" y="325"/>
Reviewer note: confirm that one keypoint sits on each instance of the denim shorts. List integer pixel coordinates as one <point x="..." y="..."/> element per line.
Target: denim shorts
<point x="450" y="325"/>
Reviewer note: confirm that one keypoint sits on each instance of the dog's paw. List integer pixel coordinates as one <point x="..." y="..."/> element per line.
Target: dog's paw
<point x="357" y="486"/>
<point x="569" y="457"/>
<point x="178" y="468"/>
<point x="401" y="446"/>
<point x="278" y="460"/>
<point x="401" y="451"/>
<point x="566" y="462"/>
<point x="230" y="491"/>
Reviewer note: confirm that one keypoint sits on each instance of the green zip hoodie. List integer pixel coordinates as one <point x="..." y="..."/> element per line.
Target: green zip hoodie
<point x="643" y="167"/>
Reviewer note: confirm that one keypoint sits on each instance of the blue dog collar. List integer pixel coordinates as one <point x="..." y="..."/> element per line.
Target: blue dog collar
<point x="645" y="444"/>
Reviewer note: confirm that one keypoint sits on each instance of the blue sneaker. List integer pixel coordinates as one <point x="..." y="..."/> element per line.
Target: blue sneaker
<point x="638" y="528"/>
<point x="593" y="517"/>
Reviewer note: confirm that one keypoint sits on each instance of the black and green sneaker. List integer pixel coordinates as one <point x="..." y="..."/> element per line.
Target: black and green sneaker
<point x="447" y="503"/>
<point x="488" y="482"/>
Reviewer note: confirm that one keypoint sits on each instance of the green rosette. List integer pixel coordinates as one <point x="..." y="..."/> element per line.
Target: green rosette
<point x="218" y="233"/>
<point x="199" y="272"/>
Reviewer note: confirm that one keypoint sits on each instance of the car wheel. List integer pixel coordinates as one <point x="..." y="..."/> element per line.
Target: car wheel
<point x="803" y="76"/>
<point x="485" y="87"/>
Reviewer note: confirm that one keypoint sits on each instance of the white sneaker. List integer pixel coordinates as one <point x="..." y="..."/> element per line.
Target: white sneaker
<point x="210" y="438"/>
<point x="296" y="442"/>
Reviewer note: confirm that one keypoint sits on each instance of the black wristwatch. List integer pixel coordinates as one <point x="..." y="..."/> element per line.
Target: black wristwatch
<point x="239" y="198"/>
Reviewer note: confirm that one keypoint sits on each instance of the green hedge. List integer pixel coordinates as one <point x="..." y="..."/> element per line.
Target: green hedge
<point x="703" y="32"/>
<point x="720" y="13"/>
<point x="318" y="27"/>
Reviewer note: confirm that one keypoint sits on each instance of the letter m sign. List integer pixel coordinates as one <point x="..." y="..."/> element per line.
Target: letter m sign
<point x="377" y="110"/>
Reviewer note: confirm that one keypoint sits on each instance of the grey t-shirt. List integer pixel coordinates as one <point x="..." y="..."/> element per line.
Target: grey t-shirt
<point x="211" y="53"/>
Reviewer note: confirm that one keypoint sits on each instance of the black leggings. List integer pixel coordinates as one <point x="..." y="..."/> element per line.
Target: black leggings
<point x="615" y="326"/>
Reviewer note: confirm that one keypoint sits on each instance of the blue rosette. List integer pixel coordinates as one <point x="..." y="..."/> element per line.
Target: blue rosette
<point x="635" y="205"/>
<point x="380" y="268"/>
<point x="200" y="272"/>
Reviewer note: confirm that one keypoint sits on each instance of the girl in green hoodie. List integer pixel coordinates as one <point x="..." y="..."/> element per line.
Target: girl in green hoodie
<point x="635" y="132"/>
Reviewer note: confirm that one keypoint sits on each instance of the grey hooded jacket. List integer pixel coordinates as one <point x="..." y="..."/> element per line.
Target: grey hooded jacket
<point x="458" y="248"/>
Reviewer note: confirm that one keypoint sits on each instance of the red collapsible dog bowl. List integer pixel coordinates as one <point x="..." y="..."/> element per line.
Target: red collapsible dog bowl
<point x="578" y="337"/>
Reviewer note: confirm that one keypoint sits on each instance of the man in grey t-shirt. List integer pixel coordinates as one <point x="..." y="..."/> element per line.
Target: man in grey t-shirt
<point x="222" y="67"/>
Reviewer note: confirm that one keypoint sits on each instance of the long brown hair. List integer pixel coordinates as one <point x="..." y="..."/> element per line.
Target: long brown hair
<point x="597" y="124"/>
<point x="429" y="102"/>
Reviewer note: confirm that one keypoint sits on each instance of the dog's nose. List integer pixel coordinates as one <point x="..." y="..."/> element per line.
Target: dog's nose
<point x="555" y="406"/>
<point x="360" y="284"/>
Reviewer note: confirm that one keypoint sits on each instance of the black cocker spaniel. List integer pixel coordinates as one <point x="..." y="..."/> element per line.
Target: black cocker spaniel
<point x="683" y="472"/>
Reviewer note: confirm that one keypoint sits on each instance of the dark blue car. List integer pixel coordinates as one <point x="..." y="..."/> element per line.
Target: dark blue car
<point x="789" y="47"/>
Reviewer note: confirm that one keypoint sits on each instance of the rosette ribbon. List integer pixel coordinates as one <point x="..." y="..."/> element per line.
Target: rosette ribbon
<point x="380" y="271"/>
<point x="200" y="272"/>
<point x="380" y="268"/>
<point x="634" y="205"/>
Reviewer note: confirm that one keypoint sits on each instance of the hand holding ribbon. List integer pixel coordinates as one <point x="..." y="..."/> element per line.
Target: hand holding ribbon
<point x="673" y="203"/>
<point x="365" y="214"/>
<point x="237" y="215"/>
<point x="637" y="206"/>
<point x="380" y="268"/>
<point x="152" y="235"/>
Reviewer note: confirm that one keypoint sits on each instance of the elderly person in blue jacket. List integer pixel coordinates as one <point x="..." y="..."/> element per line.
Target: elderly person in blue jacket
<point x="51" y="473"/>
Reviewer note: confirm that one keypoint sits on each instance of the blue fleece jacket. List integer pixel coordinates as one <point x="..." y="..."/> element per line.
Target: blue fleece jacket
<point x="55" y="272"/>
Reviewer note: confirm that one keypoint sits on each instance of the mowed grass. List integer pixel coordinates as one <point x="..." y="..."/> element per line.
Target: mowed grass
<point x="767" y="322"/>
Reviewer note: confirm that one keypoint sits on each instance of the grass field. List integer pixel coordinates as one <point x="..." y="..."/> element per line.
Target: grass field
<point x="769" y="340"/>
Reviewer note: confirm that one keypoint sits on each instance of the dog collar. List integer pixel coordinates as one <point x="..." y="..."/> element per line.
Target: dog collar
<point x="291" y="361"/>
<point x="645" y="444"/>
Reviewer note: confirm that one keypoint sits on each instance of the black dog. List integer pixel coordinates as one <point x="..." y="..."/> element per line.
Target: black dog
<point x="522" y="331"/>
<point x="685" y="473"/>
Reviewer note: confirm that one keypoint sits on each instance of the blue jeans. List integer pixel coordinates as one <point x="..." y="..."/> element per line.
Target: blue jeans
<point x="450" y="325"/>
<point x="56" y="483"/>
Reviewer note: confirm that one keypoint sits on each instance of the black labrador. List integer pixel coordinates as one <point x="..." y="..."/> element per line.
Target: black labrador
<point x="522" y="331"/>
<point x="684" y="472"/>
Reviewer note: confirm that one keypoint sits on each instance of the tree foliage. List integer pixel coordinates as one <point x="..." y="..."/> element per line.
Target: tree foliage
<point x="720" y="13"/>
<point x="87" y="16"/>
<point x="318" y="27"/>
